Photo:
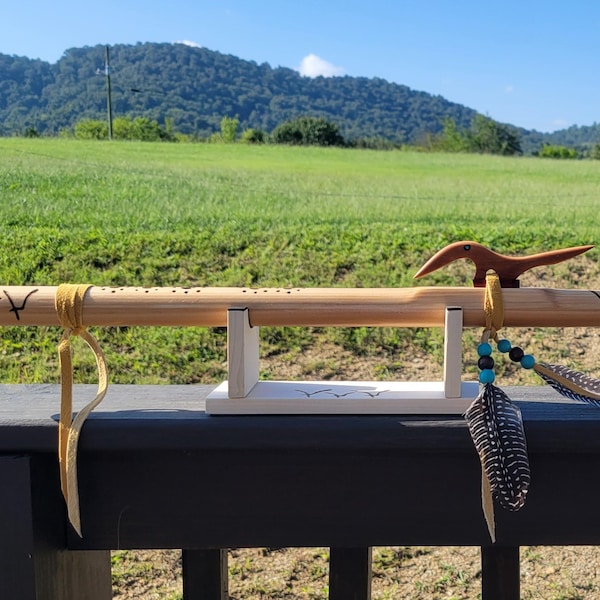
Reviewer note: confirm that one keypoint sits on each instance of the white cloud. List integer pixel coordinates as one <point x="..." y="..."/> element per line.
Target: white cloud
<point x="560" y="123"/>
<point x="188" y="43"/>
<point x="313" y="66"/>
<point x="509" y="89"/>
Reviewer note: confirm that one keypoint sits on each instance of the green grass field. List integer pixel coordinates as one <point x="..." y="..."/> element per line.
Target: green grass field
<point x="145" y="214"/>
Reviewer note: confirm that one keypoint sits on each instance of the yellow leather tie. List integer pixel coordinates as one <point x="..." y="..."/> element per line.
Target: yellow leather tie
<point x="69" y="307"/>
<point x="493" y="306"/>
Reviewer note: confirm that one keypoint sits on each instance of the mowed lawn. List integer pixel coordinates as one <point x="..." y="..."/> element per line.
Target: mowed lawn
<point x="143" y="214"/>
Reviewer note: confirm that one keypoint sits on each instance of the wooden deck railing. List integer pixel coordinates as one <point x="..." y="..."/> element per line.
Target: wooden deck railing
<point x="157" y="472"/>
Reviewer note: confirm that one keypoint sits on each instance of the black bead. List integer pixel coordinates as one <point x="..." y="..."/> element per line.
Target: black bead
<point x="516" y="353"/>
<point x="485" y="362"/>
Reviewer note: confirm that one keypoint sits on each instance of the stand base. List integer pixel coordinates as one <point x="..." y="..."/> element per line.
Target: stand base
<point x="342" y="397"/>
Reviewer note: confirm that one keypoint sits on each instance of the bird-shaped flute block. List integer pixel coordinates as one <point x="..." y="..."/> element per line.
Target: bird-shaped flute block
<point x="508" y="268"/>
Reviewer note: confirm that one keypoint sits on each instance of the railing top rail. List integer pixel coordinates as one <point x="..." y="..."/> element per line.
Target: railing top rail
<point x="319" y="307"/>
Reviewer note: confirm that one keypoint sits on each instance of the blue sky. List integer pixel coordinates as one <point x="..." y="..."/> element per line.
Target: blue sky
<point x="531" y="63"/>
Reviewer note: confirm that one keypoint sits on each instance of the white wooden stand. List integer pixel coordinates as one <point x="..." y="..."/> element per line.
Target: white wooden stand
<point x="243" y="393"/>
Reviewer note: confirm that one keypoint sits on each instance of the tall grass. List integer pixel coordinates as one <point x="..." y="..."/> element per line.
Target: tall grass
<point x="134" y="186"/>
<point x="160" y="214"/>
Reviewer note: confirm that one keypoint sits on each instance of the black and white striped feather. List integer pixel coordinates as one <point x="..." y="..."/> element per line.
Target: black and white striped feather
<point x="497" y="430"/>
<point x="569" y="383"/>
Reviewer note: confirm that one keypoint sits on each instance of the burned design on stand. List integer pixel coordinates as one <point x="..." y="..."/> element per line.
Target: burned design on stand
<point x="375" y="394"/>
<point x="341" y="395"/>
<point x="16" y="309"/>
<point x="309" y="394"/>
<point x="330" y="392"/>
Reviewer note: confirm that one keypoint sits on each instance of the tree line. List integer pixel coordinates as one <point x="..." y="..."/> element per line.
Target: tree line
<point x="484" y="136"/>
<point x="192" y="88"/>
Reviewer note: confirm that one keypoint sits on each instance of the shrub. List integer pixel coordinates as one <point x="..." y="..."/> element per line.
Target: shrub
<point x="123" y="128"/>
<point x="254" y="136"/>
<point x="90" y="129"/>
<point x="229" y="128"/>
<point x="552" y="151"/>
<point x="308" y="131"/>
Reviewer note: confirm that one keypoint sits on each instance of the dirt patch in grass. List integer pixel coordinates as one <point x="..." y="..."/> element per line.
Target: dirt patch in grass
<point x="547" y="573"/>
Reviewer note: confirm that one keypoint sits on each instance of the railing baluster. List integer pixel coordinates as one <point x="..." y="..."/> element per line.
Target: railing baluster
<point x="350" y="574"/>
<point x="205" y="575"/>
<point x="500" y="573"/>
<point x="34" y="564"/>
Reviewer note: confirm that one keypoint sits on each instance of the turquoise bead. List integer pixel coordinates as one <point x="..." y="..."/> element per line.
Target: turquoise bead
<point x="484" y="349"/>
<point x="527" y="361"/>
<point x="504" y="345"/>
<point x="487" y="376"/>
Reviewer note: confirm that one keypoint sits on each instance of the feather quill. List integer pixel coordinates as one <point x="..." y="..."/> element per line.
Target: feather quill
<point x="487" y="504"/>
<point x="496" y="428"/>
<point x="569" y="383"/>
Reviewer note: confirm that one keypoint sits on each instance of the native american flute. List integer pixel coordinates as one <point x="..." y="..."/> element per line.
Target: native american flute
<point x="322" y="307"/>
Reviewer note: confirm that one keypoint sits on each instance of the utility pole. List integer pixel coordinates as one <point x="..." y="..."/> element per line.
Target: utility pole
<point x="108" y="96"/>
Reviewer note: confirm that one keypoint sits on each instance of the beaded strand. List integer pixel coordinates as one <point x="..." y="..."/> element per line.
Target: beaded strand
<point x="486" y="362"/>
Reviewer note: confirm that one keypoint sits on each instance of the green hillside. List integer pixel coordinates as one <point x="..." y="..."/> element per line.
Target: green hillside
<point x="194" y="88"/>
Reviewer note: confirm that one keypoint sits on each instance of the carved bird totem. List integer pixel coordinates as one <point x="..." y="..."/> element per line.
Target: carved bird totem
<point x="508" y="268"/>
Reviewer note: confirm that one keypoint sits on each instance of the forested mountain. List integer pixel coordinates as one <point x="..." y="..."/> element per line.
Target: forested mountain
<point x="194" y="88"/>
<point x="576" y="136"/>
